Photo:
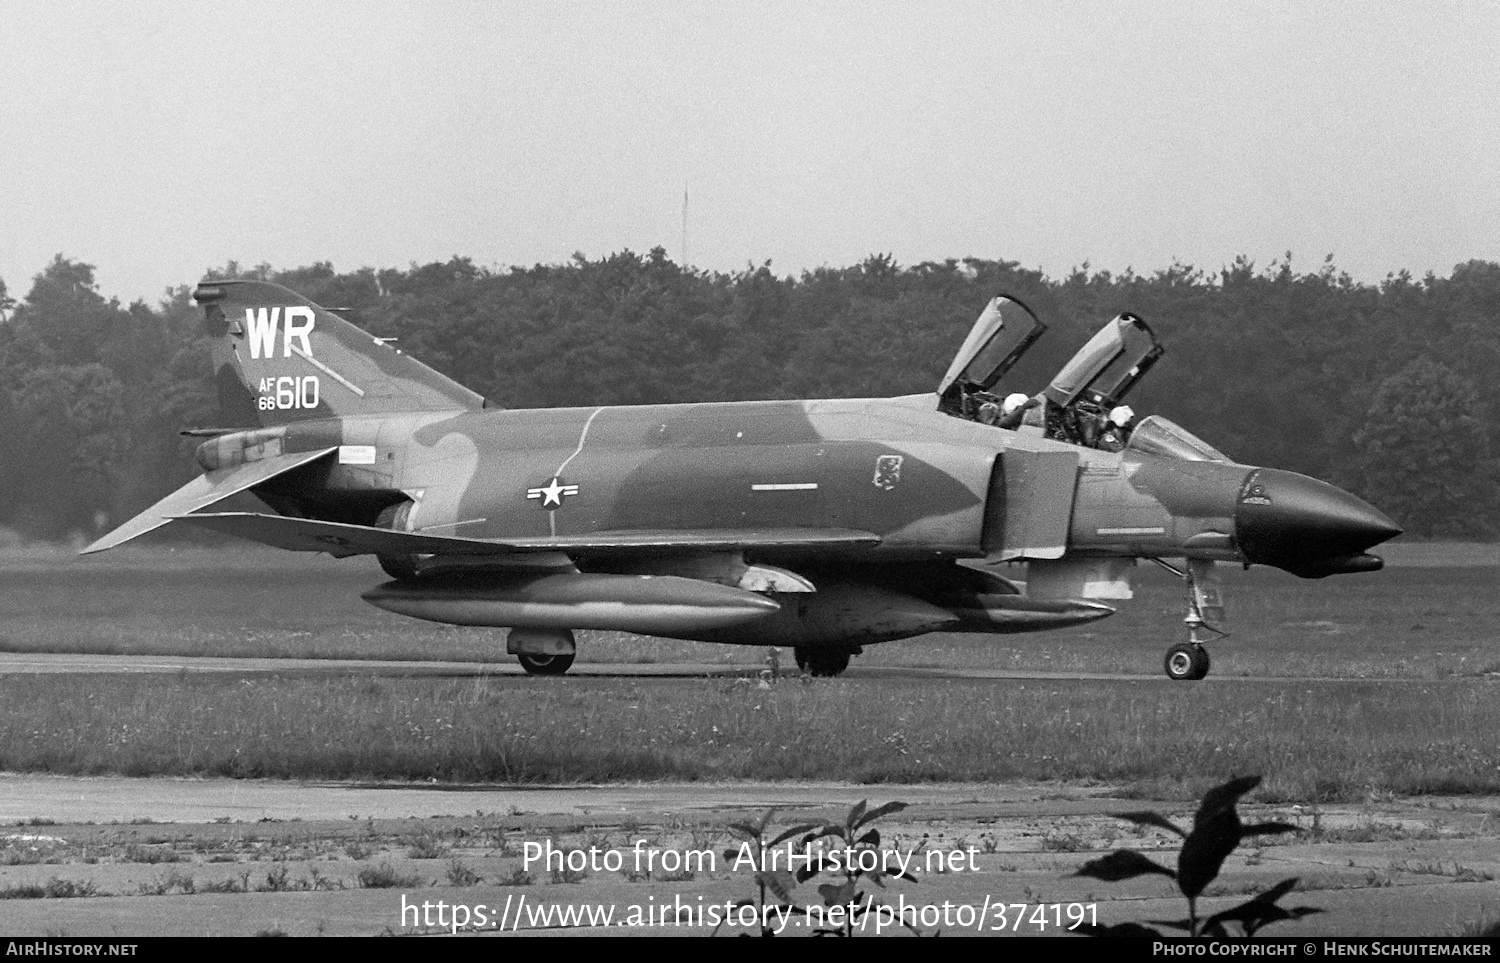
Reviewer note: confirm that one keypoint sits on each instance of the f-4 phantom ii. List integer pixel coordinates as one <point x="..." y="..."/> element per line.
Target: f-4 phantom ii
<point x="823" y="525"/>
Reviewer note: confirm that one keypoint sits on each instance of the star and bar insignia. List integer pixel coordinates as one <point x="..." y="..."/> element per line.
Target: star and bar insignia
<point x="552" y="493"/>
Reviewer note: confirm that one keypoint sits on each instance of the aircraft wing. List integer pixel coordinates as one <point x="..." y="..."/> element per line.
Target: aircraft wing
<point x="204" y="491"/>
<point x="342" y="539"/>
<point x="701" y="540"/>
<point x="339" y="538"/>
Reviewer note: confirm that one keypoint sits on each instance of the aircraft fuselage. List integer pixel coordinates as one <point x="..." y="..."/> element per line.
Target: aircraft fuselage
<point x="925" y="482"/>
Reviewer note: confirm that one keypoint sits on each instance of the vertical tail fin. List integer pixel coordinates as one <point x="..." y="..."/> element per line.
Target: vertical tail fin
<point x="279" y="358"/>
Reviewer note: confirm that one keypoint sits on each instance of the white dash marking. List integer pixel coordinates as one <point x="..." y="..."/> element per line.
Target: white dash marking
<point x="326" y="370"/>
<point x="785" y="487"/>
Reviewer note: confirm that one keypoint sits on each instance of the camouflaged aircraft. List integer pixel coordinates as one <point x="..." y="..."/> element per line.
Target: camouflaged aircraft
<point x="823" y="525"/>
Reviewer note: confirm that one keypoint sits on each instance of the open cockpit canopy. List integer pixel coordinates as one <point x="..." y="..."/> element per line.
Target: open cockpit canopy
<point x="1104" y="370"/>
<point x="1003" y="332"/>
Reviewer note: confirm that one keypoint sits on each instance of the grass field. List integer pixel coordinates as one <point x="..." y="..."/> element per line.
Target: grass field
<point x="1420" y="638"/>
<point x="1334" y="741"/>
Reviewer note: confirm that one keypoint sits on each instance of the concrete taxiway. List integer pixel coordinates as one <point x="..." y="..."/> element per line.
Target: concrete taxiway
<point x="24" y="663"/>
<point x="12" y="663"/>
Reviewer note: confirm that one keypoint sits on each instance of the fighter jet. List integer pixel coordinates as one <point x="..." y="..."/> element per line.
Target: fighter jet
<point x="822" y="525"/>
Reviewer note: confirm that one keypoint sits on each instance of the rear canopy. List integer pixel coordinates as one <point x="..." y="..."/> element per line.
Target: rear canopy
<point x="1104" y="370"/>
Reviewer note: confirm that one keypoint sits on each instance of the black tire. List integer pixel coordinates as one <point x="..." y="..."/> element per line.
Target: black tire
<point x="546" y="664"/>
<point x="1200" y="662"/>
<point x="1186" y="662"/>
<point x="822" y="663"/>
<point x="398" y="566"/>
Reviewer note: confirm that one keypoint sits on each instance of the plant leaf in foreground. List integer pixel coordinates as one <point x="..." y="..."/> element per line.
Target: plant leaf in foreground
<point x="1123" y="864"/>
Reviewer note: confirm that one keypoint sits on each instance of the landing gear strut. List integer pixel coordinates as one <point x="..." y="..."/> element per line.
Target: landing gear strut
<point x="1188" y="661"/>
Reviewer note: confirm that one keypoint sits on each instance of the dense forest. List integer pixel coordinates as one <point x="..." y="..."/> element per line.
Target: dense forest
<point x="1383" y="389"/>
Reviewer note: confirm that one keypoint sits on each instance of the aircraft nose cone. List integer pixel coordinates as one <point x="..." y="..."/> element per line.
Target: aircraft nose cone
<point x="1305" y="526"/>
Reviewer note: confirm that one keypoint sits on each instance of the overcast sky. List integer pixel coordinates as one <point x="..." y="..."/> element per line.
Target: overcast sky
<point x="155" y="140"/>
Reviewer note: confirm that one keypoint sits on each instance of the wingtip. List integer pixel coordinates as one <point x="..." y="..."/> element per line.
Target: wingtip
<point x="102" y="544"/>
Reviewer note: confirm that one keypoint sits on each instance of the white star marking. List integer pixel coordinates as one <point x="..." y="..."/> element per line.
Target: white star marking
<point x="553" y="493"/>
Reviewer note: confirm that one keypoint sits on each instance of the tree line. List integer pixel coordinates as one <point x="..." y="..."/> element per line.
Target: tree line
<point x="1381" y="388"/>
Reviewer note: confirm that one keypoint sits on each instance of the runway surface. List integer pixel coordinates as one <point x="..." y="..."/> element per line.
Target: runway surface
<point x="22" y="663"/>
<point x="109" y="799"/>
<point x="35" y="663"/>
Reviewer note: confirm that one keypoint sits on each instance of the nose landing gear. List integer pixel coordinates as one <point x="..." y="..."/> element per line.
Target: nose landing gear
<point x="1188" y="661"/>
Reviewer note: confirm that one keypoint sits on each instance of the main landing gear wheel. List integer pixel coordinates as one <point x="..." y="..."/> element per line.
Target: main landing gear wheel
<point x="1187" y="662"/>
<point x="398" y="566"/>
<point x="822" y="663"/>
<point x="545" y="664"/>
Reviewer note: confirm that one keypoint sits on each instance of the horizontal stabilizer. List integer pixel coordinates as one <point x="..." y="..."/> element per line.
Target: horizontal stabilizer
<point x="340" y="539"/>
<point x="204" y="491"/>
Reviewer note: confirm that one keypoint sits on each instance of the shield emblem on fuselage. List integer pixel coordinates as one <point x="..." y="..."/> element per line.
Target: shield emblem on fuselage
<point x="887" y="471"/>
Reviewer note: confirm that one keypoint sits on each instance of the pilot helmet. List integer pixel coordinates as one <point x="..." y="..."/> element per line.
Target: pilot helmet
<point x="1012" y="402"/>
<point x="1121" y="416"/>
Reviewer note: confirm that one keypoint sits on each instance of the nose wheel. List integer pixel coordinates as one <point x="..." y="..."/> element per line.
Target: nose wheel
<point x="1188" y="661"/>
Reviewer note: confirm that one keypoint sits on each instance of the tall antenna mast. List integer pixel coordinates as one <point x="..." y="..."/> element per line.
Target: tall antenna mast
<point x="683" y="251"/>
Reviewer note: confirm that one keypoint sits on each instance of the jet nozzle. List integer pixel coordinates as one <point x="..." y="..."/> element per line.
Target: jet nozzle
<point x="1307" y="527"/>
